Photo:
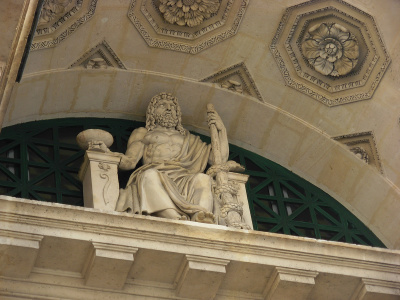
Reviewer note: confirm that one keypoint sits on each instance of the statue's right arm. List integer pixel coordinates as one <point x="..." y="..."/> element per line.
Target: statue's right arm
<point x="134" y="150"/>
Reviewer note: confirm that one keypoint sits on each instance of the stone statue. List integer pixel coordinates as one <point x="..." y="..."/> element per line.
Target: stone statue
<point x="171" y="183"/>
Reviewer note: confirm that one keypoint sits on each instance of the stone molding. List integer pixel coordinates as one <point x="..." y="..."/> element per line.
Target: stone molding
<point x="193" y="249"/>
<point x="240" y="74"/>
<point x="121" y="225"/>
<point x="363" y="78"/>
<point x="64" y="25"/>
<point x="158" y="33"/>
<point x="100" y="51"/>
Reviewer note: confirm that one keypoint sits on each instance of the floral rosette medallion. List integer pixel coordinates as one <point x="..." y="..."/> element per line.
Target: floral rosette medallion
<point x="188" y="12"/>
<point x="331" y="49"/>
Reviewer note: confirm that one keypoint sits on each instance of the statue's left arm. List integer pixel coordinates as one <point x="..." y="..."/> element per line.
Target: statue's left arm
<point x="215" y="119"/>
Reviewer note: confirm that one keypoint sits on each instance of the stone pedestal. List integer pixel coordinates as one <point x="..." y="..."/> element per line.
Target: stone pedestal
<point x="99" y="175"/>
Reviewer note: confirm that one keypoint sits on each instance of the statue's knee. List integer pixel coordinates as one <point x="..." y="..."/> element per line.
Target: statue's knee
<point x="150" y="174"/>
<point x="203" y="180"/>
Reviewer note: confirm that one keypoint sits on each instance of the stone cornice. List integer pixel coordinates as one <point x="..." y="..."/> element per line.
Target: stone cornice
<point x="86" y="250"/>
<point x="214" y="238"/>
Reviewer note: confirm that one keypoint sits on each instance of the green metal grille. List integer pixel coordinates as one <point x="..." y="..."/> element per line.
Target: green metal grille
<point x="40" y="160"/>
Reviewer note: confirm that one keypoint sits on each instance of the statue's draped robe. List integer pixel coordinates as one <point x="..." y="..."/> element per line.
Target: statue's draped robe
<point x="176" y="177"/>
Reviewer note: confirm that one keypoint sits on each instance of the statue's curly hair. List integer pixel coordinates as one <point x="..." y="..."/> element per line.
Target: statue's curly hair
<point x="150" y="118"/>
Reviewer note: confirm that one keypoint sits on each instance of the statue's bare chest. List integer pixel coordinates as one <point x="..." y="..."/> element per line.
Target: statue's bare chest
<point x="161" y="146"/>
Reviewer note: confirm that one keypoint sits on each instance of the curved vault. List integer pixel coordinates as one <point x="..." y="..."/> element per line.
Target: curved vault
<point x="280" y="136"/>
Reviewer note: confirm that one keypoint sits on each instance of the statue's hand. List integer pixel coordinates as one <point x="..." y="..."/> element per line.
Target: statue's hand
<point x="215" y="119"/>
<point x="98" y="146"/>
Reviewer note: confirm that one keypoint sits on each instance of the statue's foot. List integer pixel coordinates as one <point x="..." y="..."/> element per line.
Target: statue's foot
<point x="204" y="217"/>
<point x="183" y="218"/>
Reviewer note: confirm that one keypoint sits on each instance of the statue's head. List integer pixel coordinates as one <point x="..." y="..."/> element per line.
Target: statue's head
<point x="164" y="110"/>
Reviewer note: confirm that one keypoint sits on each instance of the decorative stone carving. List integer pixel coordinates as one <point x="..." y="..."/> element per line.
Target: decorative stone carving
<point x="51" y="9"/>
<point x="96" y="63"/>
<point x="360" y="153"/>
<point x="59" y="19"/>
<point x="100" y="56"/>
<point x="186" y="25"/>
<point x="331" y="49"/>
<point x="171" y="183"/>
<point x="188" y="12"/>
<point x="236" y="78"/>
<point x="232" y="85"/>
<point x="363" y="145"/>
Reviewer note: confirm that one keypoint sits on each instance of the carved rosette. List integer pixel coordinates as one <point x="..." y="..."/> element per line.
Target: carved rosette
<point x="188" y="26"/>
<point x="188" y="12"/>
<point x="331" y="49"/>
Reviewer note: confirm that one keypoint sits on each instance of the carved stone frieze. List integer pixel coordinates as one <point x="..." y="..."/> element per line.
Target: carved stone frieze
<point x="236" y="78"/>
<point x="363" y="146"/>
<point x="186" y="25"/>
<point x="331" y="51"/>
<point x="59" y="19"/>
<point x="100" y="56"/>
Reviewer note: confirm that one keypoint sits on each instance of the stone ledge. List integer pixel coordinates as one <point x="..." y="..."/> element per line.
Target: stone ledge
<point x="202" y="250"/>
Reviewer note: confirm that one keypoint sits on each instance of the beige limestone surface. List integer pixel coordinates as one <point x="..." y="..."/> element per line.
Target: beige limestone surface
<point x="294" y="130"/>
<point x="16" y="19"/>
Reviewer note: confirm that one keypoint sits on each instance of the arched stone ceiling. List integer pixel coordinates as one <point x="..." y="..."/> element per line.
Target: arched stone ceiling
<point x="106" y="68"/>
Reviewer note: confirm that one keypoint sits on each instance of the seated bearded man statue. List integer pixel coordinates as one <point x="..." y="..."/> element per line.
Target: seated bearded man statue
<point x="171" y="183"/>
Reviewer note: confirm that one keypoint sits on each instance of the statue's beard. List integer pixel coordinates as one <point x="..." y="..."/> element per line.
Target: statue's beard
<point x="166" y="120"/>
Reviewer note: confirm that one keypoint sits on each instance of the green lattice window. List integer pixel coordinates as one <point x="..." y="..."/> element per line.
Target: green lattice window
<point x="40" y="160"/>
